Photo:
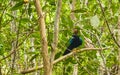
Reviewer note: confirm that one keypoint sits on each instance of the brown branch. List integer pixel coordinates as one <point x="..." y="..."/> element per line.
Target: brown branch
<point x="56" y="32"/>
<point x="72" y="14"/>
<point x="108" y="24"/>
<point x="61" y="58"/>
<point x="43" y="36"/>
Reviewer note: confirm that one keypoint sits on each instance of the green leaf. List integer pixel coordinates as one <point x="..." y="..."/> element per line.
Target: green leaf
<point x="32" y="53"/>
<point x="34" y="56"/>
<point x="17" y="6"/>
<point x="30" y="8"/>
<point x="69" y="69"/>
<point x="68" y="60"/>
<point x="1" y="49"/>
<point x="10" y="15"/>
<point x="95" y="21"/>
<point x="58" y="55"/>
<point x="17" y="0"/>
<point x="25" y="20"/>
<point x="80" y="10"/>
<point x="16" y="74"/>
<point x="66" y="74"/>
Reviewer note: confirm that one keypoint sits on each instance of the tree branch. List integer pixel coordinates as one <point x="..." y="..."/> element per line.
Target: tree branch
<point x="17" y="48"/>
<point x="56" y="32"/>
<point x="62" y="58"/>
<point x="108" y="24"/>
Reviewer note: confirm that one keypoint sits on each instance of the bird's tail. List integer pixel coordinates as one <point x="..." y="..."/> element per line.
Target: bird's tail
<point x="67" y="51"/>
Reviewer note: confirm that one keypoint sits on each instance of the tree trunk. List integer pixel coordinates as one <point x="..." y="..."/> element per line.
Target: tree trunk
<point x="44" y="44"/>
<point x="56" y="32"/>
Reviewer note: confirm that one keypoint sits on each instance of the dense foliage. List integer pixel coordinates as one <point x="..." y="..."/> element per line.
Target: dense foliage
<point x="19" y="31"/>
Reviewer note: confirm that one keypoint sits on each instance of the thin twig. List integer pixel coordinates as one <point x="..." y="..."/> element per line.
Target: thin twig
<point x="15" y="50"/>
<point x="102" y="56"/>
<point x="4" y="12"/>
<point x="107" y="24"/>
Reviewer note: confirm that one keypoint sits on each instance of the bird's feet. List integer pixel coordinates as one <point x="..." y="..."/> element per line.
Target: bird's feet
<point x="74" y="50"/>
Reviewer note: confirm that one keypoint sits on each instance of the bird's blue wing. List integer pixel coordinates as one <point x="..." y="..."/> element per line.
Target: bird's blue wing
<point x="71" y="40"/>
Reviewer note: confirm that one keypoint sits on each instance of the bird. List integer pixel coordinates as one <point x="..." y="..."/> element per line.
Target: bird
<point x="75" y="42"/>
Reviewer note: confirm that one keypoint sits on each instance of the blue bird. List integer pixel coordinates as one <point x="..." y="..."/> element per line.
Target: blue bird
<point x="75" y="41"/>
